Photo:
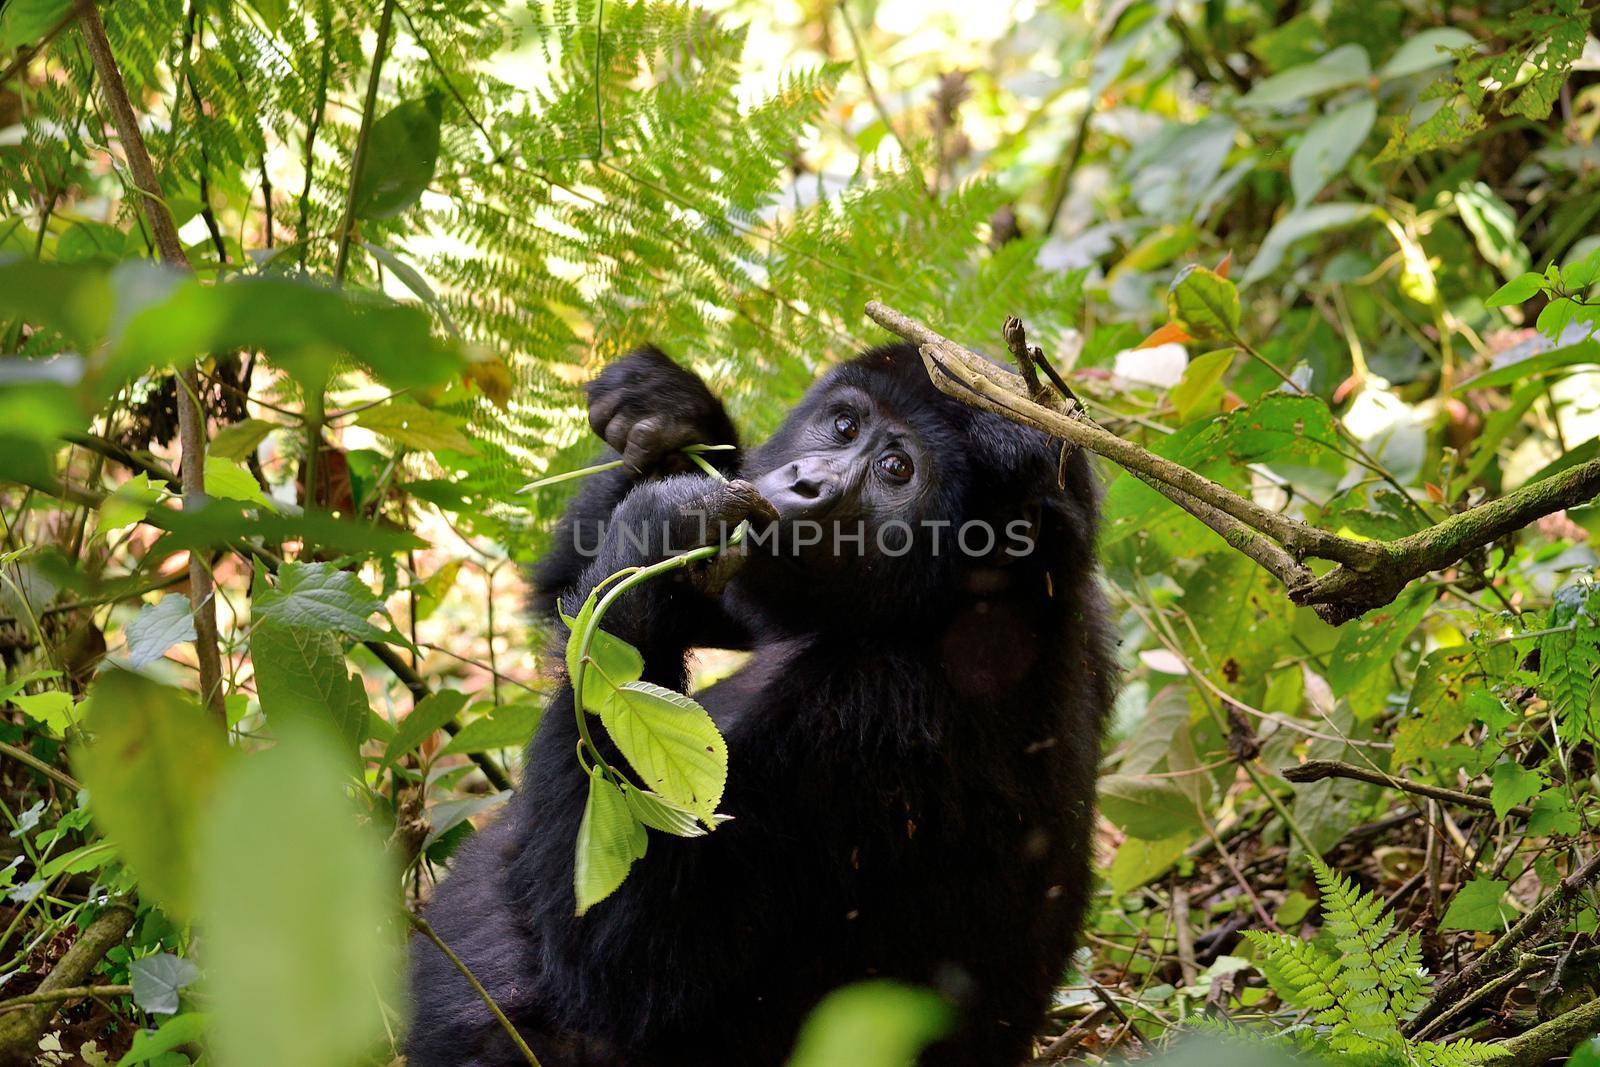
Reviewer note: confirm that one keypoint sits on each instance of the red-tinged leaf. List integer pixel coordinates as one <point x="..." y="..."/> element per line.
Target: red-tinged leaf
<point x="1171" y="333"/>
<point x="1435" y="494"/>
<point x="1226" y="265"/>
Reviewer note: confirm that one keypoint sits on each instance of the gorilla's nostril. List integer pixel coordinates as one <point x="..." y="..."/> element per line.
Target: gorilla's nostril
<point x="807" y="488"/>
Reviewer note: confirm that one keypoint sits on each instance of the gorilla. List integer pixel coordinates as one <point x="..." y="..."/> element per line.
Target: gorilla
<point x="912" y="741"/>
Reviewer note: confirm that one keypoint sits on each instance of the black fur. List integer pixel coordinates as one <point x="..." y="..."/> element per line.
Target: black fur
<point x="912" y="750"/>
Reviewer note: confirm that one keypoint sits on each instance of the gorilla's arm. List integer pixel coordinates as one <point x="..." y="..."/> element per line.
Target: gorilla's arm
<point x="646" y="408"/>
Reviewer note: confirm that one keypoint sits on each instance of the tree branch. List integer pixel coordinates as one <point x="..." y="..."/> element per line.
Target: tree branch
<point x="1316" y="770"/>
<point x="1370" y="573"/>
<point x="19" y="1030"/>
<point x="191" y="419"/>
<point x="1549" y="1040"/>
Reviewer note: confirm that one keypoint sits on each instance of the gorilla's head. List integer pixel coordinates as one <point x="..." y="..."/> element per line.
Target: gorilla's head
<point x="895" y="499"/>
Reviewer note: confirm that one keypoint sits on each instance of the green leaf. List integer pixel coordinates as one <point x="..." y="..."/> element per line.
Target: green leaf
<point x="150" y="1045"/>
<point x="1328" y="146"/>
<point x="431" y="714"/>
<point x="1553" y="815"/>
<point x="158" y="979"/>
<point x="320" y="596"/>
<point x="52" y="707"/>
<point x="1476" y="906"/>
<point x="301" y="676"/>
<point x="414" y="426"/>
<point x="507" y="726"/>
<point x="130" y="503"/>
<point x="878" y="1023"/>
<point x="659" y="813"/>
<point x="1344" y="66"/>
<point x="227" y="480"/>
<point x="1147" y="807"/>
<point x="402" y="151"/>
<point x="613" y="662"/>
<point x="151" y="768"/>
<point x="670" y="740"/>
<point x="1200" y="379"/>
<point x="1139" y="861"/>
<point x="25" y="21"/>
<point x="1206" y="303"/>
<point x="1513" y="784"/>
<point x="1536" y="365"/>
<point x="1303" y="222"/>
<point x="159" y="626"/>
<point x="238" y="440"/>
<point x="1368" y="645"/>
<point x="1493" y="225"/>
<point x="88" y="858"/>
<point x="609" y="840"/>
<point x="297" y="901"/>
<point x="1425" y="50"/>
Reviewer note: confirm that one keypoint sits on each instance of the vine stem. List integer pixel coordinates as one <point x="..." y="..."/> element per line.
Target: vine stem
<point x="422" y="927"/>
<point x="191" y="418"/>
<point x="358" y="158"/>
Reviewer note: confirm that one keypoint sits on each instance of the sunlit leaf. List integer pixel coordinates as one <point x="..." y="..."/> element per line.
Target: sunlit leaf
<point x="609" y="840"/>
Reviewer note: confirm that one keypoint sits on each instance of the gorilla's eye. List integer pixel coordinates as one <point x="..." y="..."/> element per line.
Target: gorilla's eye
<point x="896" y="466"/>
<point x="845" y="426"/>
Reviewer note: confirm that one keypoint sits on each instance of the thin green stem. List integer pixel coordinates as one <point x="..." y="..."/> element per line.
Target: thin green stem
<point x="358" y="158"/>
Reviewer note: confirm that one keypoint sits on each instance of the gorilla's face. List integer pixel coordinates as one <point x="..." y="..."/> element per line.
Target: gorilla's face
<point x="847" y="463"/>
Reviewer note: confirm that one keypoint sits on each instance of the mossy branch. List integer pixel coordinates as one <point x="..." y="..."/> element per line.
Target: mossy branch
<point x="1369" y="574"/>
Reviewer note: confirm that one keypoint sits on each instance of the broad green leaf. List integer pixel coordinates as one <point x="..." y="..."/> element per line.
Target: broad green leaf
<point x="1303" y="222"/>
<point x="88" y="858"/>
<point x="1553" y="814"/>
<point x="414" y="426"/>
<point x="1477" y="906"/>
<point x="1437" y="711"/>
<point x="1367" y="645"/>
<point x="301" y="676"/>
<point x="75" y="300"/>
<point x="609" y="840"/>
<point x="151" y="770"/>
<point x="52" y="707"/>
<point x="320" y="596"/>
<point x="429" y="715"/>
<point x="508" y="726"/>
<point x="659" y="813"/>
<point x="1517" y="290"/>
<point x="227" y="480"/>
<point x="670" y="740"/>
<point x="239" y="439"/>
<point x="130" y="503"/>
<point x="33" y="416"/>
<point x="1493" y="225"/>
<point x="24" y="22"/>
<point x="1425" y="50"/>
<point x="149" y="1046"/>
<point x="1138" y="861"/>
<point x="1146" y="807"/>
<point x="297" y="903"/>
<point x="1201" y="378"/>
<point x="431" y="591"/>
<point x="1206" y="303"/>
<point x="878" y="1023"/>
<point x="1513" y="784"/>
<point x="402" y="151"/>
<point x="158" y="979"/>
<point x="613" y="662"/>
<point x="1328" y="146"/>
<point x="1343" y="66"/>
<point x="1536" y="365"/>
<point x="159" y="626"/>
<point x="224" y="522"/>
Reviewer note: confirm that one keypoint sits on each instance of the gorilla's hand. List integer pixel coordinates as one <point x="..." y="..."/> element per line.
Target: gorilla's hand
<point x="647" y="408"/>
<point x="721" y="511"/>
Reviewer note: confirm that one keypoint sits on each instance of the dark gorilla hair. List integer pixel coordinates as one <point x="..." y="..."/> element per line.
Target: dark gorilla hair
<point x="912" y="744"/>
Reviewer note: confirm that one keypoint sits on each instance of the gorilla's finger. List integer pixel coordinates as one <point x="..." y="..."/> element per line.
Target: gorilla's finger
<point x="603" y="406"/>
<point x="654" y="439"/>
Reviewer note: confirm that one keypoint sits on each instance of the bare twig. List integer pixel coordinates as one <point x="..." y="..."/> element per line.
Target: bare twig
<point x="191" y="419"/>
<point x="1316" y="770"/>
<point x="56" y="996"/>
<point x="19" y="1030"/>
<point x="23" y="756"/>
<point x="427" y="931"/>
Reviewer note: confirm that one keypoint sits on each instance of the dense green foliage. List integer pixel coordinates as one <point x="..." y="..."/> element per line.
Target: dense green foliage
<point x="1339" y="257"/>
